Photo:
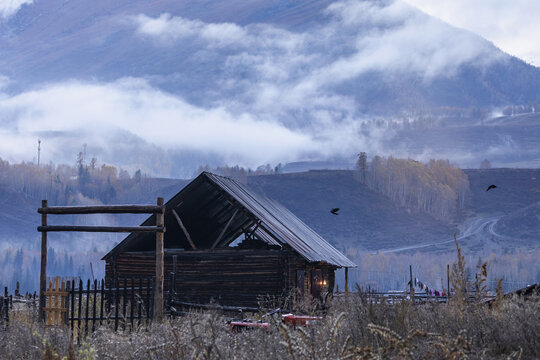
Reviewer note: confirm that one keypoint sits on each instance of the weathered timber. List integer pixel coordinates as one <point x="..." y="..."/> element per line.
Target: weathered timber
<point x="158" y="291"/>
<point x="77" y="228"/>
<point x="101" y="209"/>
<point x="230" y="277"/>
<point x="215" y="307"/>
<point x="347" y="281"/>
<point x="224" y="229"/>
<point x="43" y="270"/>
<point x="186" y="233"/>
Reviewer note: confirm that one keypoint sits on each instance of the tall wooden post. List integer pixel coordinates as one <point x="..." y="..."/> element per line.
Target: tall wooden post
<point x="412" y="284"/>
<point x="43" y="270"/>
<point x="346" y="282"/>
<point x="158" y="292"/>
<point x="447" y="281"/>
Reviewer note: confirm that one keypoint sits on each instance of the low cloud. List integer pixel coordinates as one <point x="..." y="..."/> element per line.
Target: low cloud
<point x="277" y="73"/>
<point x="511" y="25"/>
<point x="9" y="8"/>
<point x="359" y="36"/>
<point x="70" y="114"/>
<point x="168" y="29"/>
<point x="267" y="94"/>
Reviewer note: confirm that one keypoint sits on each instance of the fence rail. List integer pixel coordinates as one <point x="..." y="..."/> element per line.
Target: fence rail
<point x="127" y="305"/>
<point x="396" y="297"/>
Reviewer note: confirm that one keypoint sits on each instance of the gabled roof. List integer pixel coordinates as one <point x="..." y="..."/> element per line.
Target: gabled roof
<point x="211" y="201"/>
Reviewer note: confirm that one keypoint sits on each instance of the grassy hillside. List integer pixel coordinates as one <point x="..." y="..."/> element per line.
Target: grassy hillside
<point x="370" y="221"/>
<point x="516" y="188"/>
<point x="367" y="219"/>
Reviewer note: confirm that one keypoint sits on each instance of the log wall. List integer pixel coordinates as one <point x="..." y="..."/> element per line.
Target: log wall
<point x="228" y="277"/>
<point x="234" y="277"/>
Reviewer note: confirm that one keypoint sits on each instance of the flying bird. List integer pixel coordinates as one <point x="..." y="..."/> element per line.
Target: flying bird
<point x="335" y="211"/>
<point x="491" y="187"/>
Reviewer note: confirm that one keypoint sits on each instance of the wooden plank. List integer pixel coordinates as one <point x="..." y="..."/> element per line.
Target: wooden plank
<point x="132" y="302"/>
<point x="125" y="229"/>
<point x="148" y="284"/>
<point x="124" y="304"/>
<point x="139" y="303"/>
<point x="86" y="313"/>
<point x="58" y="309"/>
<point x="72" y="294"/>
<point x="116" y="304"/>
<point x="101" y="209"/>
<point x="346" y="281"/>
<point x="186" y="233"/>
<point x="224" y="229"/>
<point x="94" y="305"/>
<point x="101" y="302"/>
<point x="79" y="313"/>
<point x="158" y="292"/>
<point x="43" y="269"/>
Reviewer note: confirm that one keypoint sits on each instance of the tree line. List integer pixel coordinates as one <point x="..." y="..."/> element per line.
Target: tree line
<point x="23" y="266"/>
<point x="66" y="184"/>
<point x="437" y="188"/>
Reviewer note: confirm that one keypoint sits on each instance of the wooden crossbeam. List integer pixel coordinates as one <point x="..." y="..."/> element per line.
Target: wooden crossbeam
<point x="184" y="229"/>
<point x="224" y="229"/>
<point x="159" y="230"/>
<point x="77" y="228"/>
<point x="101" y="209"/>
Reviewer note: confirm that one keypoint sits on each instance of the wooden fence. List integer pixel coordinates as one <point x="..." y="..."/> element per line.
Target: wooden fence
<point x="126" y="306"/>
<point x="5" y="305"/>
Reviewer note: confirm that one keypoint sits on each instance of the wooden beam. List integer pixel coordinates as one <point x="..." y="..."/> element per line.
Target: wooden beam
<point x="184" y="230"/>
<point x="160" y="267"/>
<point x="101" y="209"/>
<point x="256" y="227"/>
<point x="43" y="270"/>
<point x="125" y="229"/>
<point x="346" y="282"/>
<point x="224" y="230"/>
<point x="412" y="284"/>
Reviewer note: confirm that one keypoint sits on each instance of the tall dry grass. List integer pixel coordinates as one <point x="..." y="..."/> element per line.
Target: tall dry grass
<point x="353" y="328"/>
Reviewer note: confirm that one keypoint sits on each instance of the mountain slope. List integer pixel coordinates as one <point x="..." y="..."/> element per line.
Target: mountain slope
<point x="367" y="220"/>
<point x="165" y="86"/>
<point x="51" y="41"/>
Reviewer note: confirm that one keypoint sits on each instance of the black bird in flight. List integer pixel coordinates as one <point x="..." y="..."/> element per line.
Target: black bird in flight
<point x="335" y="211"/>
<point x="491" y="187"/>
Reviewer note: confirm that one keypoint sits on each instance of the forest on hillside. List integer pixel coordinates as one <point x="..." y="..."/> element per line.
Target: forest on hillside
<point x="80" y="184"/>
<point x="90" y="182"/>
<point x="437" y="188"/>
<point x="69" y="185"/>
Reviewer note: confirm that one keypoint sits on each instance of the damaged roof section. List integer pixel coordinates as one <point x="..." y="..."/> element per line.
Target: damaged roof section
<point x="212" y="211"/>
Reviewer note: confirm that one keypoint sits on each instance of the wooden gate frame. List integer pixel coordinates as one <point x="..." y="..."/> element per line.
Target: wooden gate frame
<point x="159" y="229"/>
<point x="56" y="309"/>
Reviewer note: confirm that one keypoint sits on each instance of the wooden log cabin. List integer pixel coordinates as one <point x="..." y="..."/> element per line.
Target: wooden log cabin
<point x="232" y="246"/>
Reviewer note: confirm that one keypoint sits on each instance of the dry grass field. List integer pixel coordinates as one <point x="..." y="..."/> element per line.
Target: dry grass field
<point x="353" y="328"/>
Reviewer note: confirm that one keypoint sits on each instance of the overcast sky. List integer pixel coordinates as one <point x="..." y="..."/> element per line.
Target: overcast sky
<point x="512" y="25"/>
